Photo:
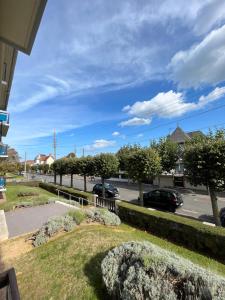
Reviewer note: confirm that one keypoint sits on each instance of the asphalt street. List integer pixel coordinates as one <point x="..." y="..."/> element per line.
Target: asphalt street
<point x="196" y="205"/>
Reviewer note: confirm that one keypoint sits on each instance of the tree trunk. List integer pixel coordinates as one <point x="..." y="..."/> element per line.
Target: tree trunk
<point x="55" y="177"/>
<point x="103" y="188"/>
<point x="85" y="183"/>
<point x="60" y="176"/>
<point x="141" y="193"/>
<point x="214" y="206"/>
<point x="71" y="180"/>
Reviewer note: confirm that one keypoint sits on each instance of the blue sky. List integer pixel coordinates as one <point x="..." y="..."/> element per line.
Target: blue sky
<point x="108" y="73"/>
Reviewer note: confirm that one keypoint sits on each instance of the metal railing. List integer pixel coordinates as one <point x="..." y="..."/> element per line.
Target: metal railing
<point x="109" y="204"/>
<point x="8" y="285"/>
<point x="78" y="201"/>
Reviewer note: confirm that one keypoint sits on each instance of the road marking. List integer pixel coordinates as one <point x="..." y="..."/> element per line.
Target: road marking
<point x="190" y="211"/>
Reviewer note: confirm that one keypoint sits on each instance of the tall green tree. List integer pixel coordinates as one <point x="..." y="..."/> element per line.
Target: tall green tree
<point x="123" y="155"/>
<point x="144" y="163"/>
<point x="72" y="168"/>
<point x="86" y="168"/>
<point x="106" y="165"/>
<point x="204" y="161"/>
<point x="168" y="152"/>
<point x="60" y="168"/>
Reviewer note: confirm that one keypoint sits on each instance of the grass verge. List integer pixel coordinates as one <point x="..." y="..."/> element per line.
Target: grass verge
<point x="68" y="267"/>
<point x="13" y="200"/>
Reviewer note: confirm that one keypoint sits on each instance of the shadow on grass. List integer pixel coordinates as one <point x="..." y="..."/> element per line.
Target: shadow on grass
<point x="92" y="270"/>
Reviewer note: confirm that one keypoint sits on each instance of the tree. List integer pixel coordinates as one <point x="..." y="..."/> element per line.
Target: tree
<point x="59" y="167"/>
<point x="204" y="162"/>
<point x="168" y="152"/>
<point x="144" y="163"/>
<point x="45" y="168"/>
<point x="86" y="168"/>
<point x="72" y="168"/>
<point x="123" y="155"/>
<point x="106" y="165"/>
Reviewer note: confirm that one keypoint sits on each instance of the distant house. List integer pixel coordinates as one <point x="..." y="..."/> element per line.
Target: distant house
<point x="177" y="178"/>
<point x="42" y="159"/>
<point x="180" y="137"/>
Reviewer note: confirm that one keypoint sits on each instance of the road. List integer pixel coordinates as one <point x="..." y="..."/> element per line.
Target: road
<point x="196" y="205"/>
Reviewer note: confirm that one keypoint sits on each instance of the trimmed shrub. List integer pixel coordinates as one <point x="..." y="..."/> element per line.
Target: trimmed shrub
<point x="76" y="193"/>
<point x="50" y="228"/>
<point x="25" y="183"/>
<point x="77" y="215"/>
<point x="40" y="239"/>
<point x="27" y="194"/>
<point x="140" y="270"/>
<point x="191" y="233"/>
<point x="103" y="216"/>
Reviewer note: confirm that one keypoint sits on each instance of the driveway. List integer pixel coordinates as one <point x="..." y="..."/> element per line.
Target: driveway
<point x="25" y="220"/>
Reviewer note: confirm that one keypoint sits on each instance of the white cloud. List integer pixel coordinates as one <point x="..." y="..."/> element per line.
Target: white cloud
<point x="203" y="63"/>
<point x="212" y="13"/>
<point x="99" y="144"/>
<point x="216" y="94"/>
<point x="168" y="105"/>
<point x="135" y="122"/>
<point x="116" y="133"/>
<point x="140" y="135"/>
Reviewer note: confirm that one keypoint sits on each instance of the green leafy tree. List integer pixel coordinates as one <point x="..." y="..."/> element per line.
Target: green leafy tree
<point x="60" y="168"/>
<point x="123" y="155"/>
<point x="45" y="168"/>
<point x="204" y="161"/>
<point x="144" y="163"/>
<point x="106" y="165"/>
<point x="168" y="152"/>
<point x="72" y="168"/>
<point x="86" y="168"/>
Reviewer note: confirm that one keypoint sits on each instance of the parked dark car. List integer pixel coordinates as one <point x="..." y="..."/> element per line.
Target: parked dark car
<point x="110" y="190"/>
<point x="166" y="199"/>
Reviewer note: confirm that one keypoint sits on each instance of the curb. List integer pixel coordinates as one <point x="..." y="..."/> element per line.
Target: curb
<point x="4" y="234"/>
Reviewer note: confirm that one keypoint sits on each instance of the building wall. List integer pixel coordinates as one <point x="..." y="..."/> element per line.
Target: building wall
<point x="50" y="161"/>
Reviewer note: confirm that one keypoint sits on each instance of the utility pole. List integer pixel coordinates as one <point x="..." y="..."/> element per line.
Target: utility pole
<point x="83" y="152"/>
<point x="54" y="143"/>
<point x="25" y="165"/>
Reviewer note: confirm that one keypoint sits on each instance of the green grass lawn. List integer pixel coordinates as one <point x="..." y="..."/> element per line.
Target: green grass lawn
<point x="69" y="266"/>
<point x="13" y="199"/>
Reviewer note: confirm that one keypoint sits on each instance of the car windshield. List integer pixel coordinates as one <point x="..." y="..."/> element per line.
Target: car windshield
<point x="109" y="186"/>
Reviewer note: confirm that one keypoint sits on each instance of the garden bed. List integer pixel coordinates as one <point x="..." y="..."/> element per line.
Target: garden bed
<point x="69" y="267"/>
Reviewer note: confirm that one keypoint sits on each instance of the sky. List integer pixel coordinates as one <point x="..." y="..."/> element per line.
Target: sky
<point x="108" y="73"/>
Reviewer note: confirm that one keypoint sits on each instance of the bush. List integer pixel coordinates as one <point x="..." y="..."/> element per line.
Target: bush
<point x="103" y="216"/>
<point x="50" y="228"/>
<point x="76" y="193"/>
<point x="77" y="215"/>
<point x="140" y="270"/>
<point x="191" y="233"/>
<point x="27" y="194"/>
<point x="25" y="183"/>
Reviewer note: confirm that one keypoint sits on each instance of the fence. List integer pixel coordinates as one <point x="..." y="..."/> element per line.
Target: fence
<point x="8" y="285"/>
<point x="105" y="203"/>
<point x="78" y="201"/>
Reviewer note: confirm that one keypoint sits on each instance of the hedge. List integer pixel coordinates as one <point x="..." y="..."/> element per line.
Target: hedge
<point x="25" y="183"/>
<point x="190" y="233"/>
<point x="76" y="193"/>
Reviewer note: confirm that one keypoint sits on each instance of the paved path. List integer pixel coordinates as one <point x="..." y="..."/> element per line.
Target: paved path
<point x="26" y="220"/>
